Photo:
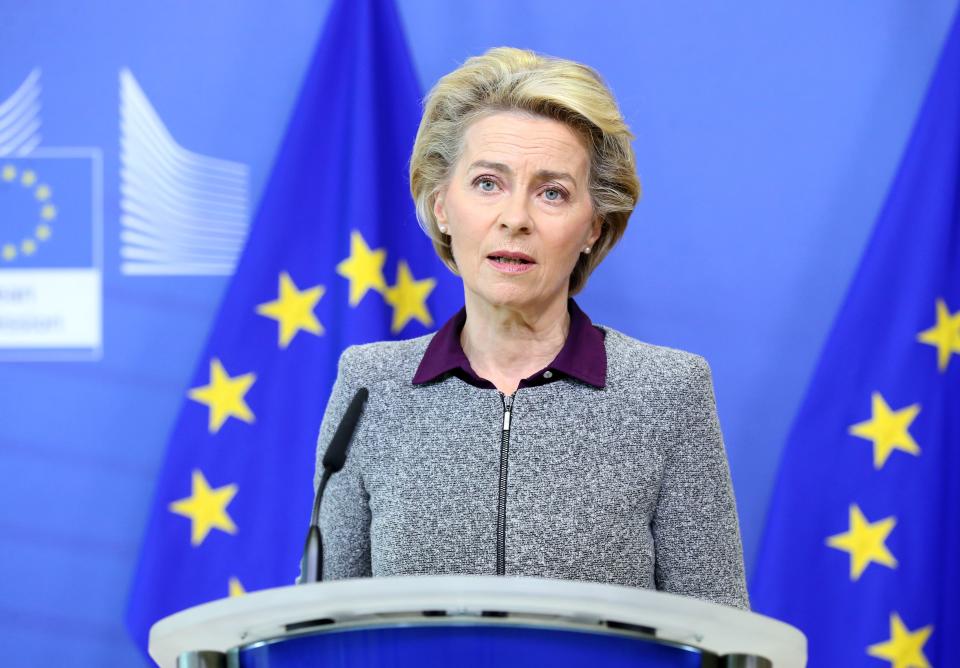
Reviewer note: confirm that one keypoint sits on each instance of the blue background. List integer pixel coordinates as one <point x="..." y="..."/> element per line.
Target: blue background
<point x="767" y="138"/>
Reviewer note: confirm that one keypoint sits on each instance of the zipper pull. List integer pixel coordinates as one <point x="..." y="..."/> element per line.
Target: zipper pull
<point x="507" y="406"/>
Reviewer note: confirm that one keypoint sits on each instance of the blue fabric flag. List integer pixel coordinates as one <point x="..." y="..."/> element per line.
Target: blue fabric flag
<point x="862" y="545"/>
<point x="334" y="257"/>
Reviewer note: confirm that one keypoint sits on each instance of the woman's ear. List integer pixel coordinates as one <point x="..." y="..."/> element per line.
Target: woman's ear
<point x="438" y="211"/>
<point x="595" y="230"/>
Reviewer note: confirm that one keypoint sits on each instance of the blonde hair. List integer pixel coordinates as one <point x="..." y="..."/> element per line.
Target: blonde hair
<point x="507" y="79"/>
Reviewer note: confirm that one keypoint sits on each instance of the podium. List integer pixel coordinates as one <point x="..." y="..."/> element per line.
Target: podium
<point x="470" y="622"/>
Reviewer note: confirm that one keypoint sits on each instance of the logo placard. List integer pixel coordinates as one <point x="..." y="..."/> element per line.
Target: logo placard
<point x="51" y="265"/>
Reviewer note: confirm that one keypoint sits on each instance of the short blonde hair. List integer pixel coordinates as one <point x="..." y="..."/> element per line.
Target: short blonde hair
<point x="506" y="79"/>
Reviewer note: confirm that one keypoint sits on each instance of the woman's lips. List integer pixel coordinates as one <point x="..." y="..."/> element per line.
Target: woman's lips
<point x="512" y="255"/>
<point x="511" y="263"/>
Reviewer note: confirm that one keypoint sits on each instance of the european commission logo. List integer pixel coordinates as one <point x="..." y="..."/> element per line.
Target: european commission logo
<point x="181" y="213"/>
<point x="51" y="267"/>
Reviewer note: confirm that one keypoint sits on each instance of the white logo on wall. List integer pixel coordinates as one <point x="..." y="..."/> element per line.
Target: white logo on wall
<point x="51" y="220"/>
<point x="20" y="118"/>
<point x="182" y="213"/>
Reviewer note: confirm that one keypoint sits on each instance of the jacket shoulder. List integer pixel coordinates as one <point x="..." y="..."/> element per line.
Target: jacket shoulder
<point x="630" y="360"/>
<point x="384" y="360"/>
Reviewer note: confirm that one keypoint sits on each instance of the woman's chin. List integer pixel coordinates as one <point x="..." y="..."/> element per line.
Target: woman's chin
<point x="512" y="296"/>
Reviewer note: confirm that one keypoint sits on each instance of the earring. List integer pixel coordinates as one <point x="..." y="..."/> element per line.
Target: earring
<point x="443" y="229"/>
<point x="586" y="251"/>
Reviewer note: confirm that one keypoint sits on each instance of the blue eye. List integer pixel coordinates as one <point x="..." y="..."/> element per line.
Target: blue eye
<point x="553" y="194"/>
<point x="484" y="183"/>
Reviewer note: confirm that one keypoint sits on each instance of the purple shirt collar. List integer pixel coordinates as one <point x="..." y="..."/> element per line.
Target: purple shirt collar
<point x="583" y="355"/>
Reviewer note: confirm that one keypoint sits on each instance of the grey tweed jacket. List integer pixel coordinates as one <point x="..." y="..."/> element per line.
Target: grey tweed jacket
<point x="628" y="484"/>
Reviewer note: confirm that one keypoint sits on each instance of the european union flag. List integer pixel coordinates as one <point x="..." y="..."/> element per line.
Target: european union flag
<point x="47" y="205"/>
<point x="334" y="257"/>
<point x="862" y="545"/>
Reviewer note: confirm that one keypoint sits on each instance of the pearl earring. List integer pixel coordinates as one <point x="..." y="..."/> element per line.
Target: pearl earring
<point x="443" y="229"/>
<point x="586" y="251"/>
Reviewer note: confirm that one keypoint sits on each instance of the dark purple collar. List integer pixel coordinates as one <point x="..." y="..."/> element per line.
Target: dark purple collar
<point x="583" y="355"/>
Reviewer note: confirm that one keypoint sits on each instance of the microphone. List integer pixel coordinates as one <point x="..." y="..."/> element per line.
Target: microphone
<point x="311" y="563"/>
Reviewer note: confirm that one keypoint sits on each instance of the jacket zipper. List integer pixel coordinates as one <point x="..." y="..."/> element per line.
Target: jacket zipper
<point x="502" y="497"/>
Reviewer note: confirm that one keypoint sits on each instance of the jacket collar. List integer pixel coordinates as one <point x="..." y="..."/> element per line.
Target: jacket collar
<point x="583" y="356"/>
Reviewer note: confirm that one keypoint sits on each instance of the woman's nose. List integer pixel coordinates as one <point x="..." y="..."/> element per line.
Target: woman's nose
<point x="515" y="216"/>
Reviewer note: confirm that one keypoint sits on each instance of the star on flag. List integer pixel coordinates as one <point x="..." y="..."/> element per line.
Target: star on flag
<point x="409" y="298"/>
<point x="944" y="335"/>
<point x="904" y="649"/>
<point x="364" y="268"/>
<point x="235" y="587"/>
<point x="293" y="310"/>
<point x="224" y="396"/>
<point x="206" y="508"/>
<point x="865" y="542"/>
<point x="888" y="429"/>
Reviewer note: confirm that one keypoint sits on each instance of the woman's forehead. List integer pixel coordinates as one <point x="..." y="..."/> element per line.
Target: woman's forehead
<point x="512" y="141"/>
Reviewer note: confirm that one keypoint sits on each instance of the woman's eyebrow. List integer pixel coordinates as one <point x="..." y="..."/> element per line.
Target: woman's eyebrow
<point x="495" y="166"/>
<point x="550" y="175"/>
<point x="542" y="174"/>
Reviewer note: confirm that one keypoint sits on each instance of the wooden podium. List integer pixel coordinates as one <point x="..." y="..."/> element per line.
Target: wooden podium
<point x="471" y="621"/>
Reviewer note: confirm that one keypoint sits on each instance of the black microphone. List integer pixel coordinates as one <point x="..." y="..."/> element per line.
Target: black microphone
<point x="311" y="564"/>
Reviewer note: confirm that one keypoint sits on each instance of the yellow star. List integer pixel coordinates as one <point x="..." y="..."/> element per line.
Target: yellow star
<point x="236" y="588"/>
<point x="206" y="508"/>
<point x="409" y="298"/>
<point x="889" y="430"/>
<point x="905" y="648"/>
<point x="293" y="309"/>
<point x="28" y="178"/>
<point x="9" y="173"/>
<point x="865" y="542"/>
<point x="945" y="335"/>
<point x="224" y="396"/>
<point x="364" y="268"/>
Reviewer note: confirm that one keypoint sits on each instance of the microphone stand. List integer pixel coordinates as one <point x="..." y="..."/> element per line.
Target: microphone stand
<point x="311" y="563"/>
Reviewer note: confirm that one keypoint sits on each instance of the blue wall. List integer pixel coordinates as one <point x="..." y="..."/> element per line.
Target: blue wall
<point x="767" y="136"/>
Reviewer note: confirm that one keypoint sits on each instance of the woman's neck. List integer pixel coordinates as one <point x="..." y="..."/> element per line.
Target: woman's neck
<point x="506" y="345"/>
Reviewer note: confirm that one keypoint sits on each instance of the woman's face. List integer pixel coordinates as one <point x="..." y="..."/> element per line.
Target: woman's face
<point x="518" y="210"/>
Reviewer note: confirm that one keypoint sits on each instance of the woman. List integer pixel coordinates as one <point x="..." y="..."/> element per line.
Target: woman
<point x="521" y="439"/>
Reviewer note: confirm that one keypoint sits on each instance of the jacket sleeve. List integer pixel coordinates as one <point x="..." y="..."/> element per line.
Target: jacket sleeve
<point x="695" y="528"/>
<point x="345" y="511"/>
